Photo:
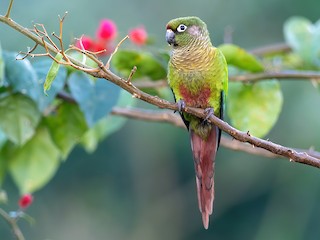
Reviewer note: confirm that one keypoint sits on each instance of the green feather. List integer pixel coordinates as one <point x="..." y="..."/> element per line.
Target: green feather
<point x="197" y="71"/>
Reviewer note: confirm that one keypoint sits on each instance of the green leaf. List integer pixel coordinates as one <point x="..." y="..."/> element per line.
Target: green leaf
<point x="20" y="75"/>
<point x="147" y="65"/>
<point x="95" y="97"/>
<point x="3" y="166"/>
<point x="3" y="138"/>
<point x="66" y="127"/>
<point x="34" y="164"/>
<point x="91" y="138"/>
<point x="1" y="68"/>
<point x="107" y="125"/>
<point x="52" y="73"/>
<point x="19" y="117"/>
<point x="240" y="58"/>
<point x="165" y="93"/>
<point x="3" y="197"/>
<point x="304" y="38"/>
<point x="42" y="67"/>
<point x="254" y="107"/>
<point x="297" y="32"/>
<point x="5" y="156"/>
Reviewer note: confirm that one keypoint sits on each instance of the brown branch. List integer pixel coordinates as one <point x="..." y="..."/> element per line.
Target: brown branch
<point x="271" y="49"/>
<point x="252" y="77"/>
<point x="103" y="72"/>
<point x="149" y="115"/>
<point x="170" y="117"/>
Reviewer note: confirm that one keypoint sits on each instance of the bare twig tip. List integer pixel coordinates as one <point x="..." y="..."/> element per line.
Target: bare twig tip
<point x="107" y="66"/>
<point x="134" y="69"/>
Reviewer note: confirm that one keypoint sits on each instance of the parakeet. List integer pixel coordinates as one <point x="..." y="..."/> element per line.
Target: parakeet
<point x="198" y="77"/>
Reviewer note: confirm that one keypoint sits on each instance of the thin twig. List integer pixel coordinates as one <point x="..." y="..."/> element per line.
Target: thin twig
<point x="9" y="9"/>
<point x="114" y="52"/>
<point x="28" y="53"/>
<point x="89" y="54"/>
<point x="13" y="224"/>
<point x="133" y="71"/>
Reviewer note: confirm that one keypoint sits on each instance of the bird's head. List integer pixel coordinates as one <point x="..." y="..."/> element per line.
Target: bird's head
<point x="185" y="30"/>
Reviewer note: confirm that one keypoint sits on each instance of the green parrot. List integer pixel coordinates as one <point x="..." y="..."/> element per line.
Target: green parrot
<point x="198" y="77"/>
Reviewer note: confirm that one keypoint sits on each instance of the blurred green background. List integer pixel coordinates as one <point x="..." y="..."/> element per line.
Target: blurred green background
<point x="140" y="184"/>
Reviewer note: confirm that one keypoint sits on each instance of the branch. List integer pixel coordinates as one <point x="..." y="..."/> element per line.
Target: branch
<point x="13" y="224"/>
<point x="271" y="49"/>
<point x="252" y="77"/>
<point x="103" y="72"/>
<point x="169" y="117"/>
<point x="149" y="115"/>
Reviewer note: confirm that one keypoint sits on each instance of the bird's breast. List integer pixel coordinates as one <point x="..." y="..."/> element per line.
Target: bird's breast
<point x="196" y="96"/>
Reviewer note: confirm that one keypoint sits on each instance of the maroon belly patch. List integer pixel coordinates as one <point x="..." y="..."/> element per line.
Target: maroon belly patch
<point x="199" y="98"/>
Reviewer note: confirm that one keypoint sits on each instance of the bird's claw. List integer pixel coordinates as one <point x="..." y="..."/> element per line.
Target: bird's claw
<point x="209" y="112"/>
<point x="181" y="105"/>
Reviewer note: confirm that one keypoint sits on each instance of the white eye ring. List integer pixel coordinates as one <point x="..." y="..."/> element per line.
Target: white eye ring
<point x="181" y="28"/>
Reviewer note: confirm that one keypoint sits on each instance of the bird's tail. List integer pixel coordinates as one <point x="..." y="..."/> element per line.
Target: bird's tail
<point x="204" y="153"/>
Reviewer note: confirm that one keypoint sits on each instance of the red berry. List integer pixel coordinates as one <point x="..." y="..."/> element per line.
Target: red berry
<point x="85" y="43"/>
<point x="138" y="35"/>
<point x="107" y="30"/>
<point x="25" y="200"/>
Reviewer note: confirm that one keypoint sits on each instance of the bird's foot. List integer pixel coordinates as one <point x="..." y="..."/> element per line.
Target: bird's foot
<point x="209" y="112"/>
<point x="181" y="105"/>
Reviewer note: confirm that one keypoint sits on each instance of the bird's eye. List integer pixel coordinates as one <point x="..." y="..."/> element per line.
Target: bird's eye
<point x="181" y="28"/>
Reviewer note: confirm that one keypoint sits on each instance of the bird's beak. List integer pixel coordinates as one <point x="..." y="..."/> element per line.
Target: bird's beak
<point x="170" y="37"/>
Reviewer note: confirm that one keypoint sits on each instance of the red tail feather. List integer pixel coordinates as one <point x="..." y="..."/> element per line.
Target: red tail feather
<point x="204" y="153"/>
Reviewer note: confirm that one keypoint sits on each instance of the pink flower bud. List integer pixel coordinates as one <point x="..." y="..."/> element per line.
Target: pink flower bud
<point x="25" y="200"/>
<point x="85" y="43"/>
<point x="107" y="30"/>
<point x="138" y="35"/>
